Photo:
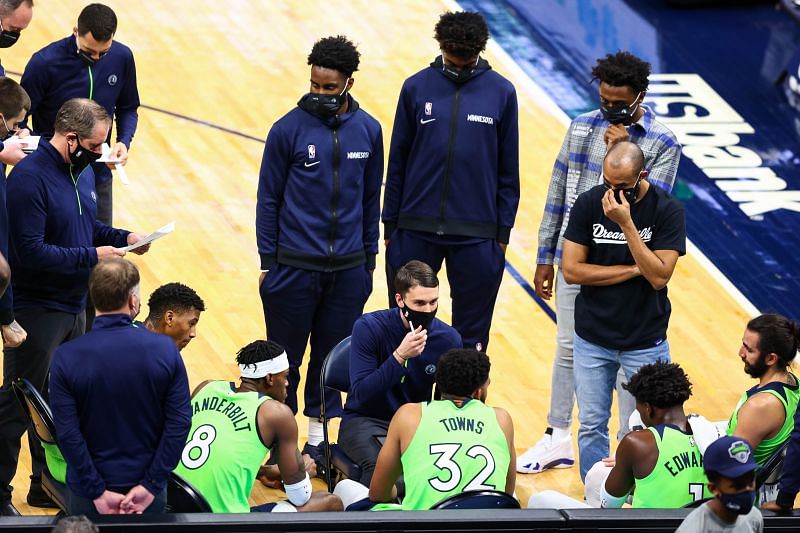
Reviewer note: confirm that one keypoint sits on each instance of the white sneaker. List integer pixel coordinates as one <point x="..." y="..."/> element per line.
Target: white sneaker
<point x="547" y="453"/>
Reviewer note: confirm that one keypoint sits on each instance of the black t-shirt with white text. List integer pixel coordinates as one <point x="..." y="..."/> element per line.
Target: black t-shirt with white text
<point x="630" y="315"/>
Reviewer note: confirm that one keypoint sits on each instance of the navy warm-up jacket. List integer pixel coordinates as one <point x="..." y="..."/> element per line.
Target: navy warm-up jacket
<point x="319" y="191"/>
<point x="53" y="231"/>
<point x="56" y="73"/>
<point x="454" y="156"/>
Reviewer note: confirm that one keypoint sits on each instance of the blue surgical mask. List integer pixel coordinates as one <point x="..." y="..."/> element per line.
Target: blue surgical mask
<point x="739" y="503"/>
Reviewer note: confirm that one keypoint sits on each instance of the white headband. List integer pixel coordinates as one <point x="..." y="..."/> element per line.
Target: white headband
<point x="258" y="370"/>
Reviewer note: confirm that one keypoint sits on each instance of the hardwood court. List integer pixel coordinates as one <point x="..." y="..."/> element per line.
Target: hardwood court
<point x="242" y="65"/>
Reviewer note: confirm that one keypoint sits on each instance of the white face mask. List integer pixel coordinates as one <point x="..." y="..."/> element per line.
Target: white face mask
<point x="635" y="421"/>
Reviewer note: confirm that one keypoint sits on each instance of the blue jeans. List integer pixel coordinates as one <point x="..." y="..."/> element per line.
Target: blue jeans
<point x="595" y="376"/>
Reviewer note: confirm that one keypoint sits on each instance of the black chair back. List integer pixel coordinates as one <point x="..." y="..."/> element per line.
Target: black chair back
<point x="183" y="497"/>
<point x="771" y="470"/>
<point x="478" y="499"/>
<point x="38" y="411"/>
<point x="335" y="374"/>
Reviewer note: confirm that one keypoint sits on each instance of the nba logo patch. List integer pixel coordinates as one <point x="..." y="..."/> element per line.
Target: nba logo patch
<point x="312" y="151"/>
<point x="428" y="108"/>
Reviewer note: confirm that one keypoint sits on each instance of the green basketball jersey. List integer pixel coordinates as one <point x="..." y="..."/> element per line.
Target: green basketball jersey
<point x="788" y="396"/>
<point x="678" y="477"/>
<point x="224" y="451"/>
<point x="453" y="450"/>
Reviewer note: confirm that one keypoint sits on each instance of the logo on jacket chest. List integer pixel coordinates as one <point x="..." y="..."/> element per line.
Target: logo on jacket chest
<point x="357" y="155"/>
<point x="312" y="151"/>
<point x="601" y="235"/>
<point x="94" y="196"/>
<point x="112" y="80"/>
<point x="481" y="119"/>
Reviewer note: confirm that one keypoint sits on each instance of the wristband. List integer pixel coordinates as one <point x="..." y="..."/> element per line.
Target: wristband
<point x="299" y="493"/>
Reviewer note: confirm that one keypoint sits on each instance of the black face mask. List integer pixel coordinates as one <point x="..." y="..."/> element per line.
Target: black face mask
<point x="740" y="503"/>
<point x="324" y="105"/>
<point x="620" y="113"/>
<point x="418" y="318"/>
<point x="9" y="132"/>
<point x="82" y="157"/>
<point x="631" y="194"/>
<point x="87" y="58"/>
<point x="459" y="76"/>
<point x="8" y="38"/>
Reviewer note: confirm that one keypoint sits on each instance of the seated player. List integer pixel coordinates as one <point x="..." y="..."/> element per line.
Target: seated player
<point x="764" y="415"/>
<point x="174" y="310"/>
<point x="731" y="471"/>
<point x="443" y="447"/>
<point x="233" y="428"/>
<point x="662" y="461"/>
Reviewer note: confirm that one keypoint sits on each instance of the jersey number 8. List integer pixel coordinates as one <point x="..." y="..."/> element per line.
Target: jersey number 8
<point x="198" y="448"/>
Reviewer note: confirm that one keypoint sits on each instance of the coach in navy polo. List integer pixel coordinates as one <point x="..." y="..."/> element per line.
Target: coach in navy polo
<point x="54" y="242"/>
<point x="87" y="64"/>
<point x="452" y="183"/>
<point x="317" y="221"/>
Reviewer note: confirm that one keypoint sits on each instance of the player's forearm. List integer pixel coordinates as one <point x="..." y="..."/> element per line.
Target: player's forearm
<point x="650" y="265"/>
<point x="598" y="275"/>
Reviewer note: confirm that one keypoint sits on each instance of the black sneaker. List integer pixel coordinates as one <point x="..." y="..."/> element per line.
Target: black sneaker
<point x="8" y="509"/>
<point x="37" y="497"/>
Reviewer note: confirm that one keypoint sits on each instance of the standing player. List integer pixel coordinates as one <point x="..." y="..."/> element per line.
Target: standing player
<point x="452" y="184"/>
<point x="233" y="428"/>
<point x="317" y="221"/>
<point x="622" y="116"/>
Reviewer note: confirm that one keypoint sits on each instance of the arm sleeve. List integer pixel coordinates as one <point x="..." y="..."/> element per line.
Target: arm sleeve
<point x="70" y="439"/>
<point x="373" y="178"/>
<point x="370" y="378"/>
<point x="403" y="133"/>
<point x="34" y="81"/>
<point x="271" y="183"/>
<point x="508" y="169"/>
<point x="127" y="105"/>
<point x="27" y="218"/>
<point x="578" y="226"/>
<point x="665" y="167"/>
<point x="670" y="233"/>
<point x="105" y="235"/>
<point x="177" y="423"/>
<point x="555" y="206"/>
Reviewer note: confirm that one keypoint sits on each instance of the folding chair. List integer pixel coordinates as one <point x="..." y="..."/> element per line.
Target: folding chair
<point x="335" y="375"/>
<point x="41" y="420"/>
<point x="478" y="499"/>
<point x="183" y="497"/>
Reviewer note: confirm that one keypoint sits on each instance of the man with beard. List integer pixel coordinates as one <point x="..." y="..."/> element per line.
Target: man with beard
<point x="765" y="413"/>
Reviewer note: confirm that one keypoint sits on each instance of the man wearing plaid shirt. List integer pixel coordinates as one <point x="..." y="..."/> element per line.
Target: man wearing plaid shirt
<point x="623" y="81"/>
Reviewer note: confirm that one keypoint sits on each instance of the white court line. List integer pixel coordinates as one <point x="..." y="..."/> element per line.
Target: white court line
<point x="544" y="100"/>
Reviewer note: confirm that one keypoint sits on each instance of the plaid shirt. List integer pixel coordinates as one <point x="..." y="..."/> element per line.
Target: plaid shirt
<point x="579" y="165"/>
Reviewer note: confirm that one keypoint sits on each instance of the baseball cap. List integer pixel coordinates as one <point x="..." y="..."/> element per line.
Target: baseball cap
<point x="730" y="457"/>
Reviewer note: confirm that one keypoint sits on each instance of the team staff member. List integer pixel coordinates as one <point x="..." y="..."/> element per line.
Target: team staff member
<point x="446" y="446"/>
<point x="87" y="64"/>
<point x="233" y="428"/>
<point x="662" y="462"/>
<point x="55" y="241"/>
<point x="622" y="116"/>
<point x="621" y="245"/>
<point x="174" y="310"/>
<point x="120" y="400"/>
<point x="317" y="221"/>
<point x="15" y="15"/>
<point x="14" y="104"/>
<point x="452" y="184"/>
<point x="393" y="358"/>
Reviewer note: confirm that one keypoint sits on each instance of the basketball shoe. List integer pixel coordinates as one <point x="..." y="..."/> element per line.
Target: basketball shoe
<point x="548" y="452"/>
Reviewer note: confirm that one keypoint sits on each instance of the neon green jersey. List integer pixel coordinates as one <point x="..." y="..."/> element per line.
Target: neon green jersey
<point x="788" y="396"/>
<point x="453" y="450"/>
<point x="224" y="450"/>
<point x="678" y="477"/>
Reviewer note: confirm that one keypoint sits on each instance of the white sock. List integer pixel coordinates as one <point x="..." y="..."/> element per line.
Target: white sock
<point x="315" y="435"/>
<point x="561" y="433"/>
<point x="350" y="492"/>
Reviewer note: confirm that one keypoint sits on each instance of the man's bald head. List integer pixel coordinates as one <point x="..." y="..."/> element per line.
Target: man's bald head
<point x="625" y="157"/>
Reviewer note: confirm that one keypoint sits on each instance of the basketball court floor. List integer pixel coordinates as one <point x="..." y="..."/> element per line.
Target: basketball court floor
<point x="213" y="77"/>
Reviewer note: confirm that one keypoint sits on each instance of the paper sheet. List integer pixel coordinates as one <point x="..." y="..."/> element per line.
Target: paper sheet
<point x="106" y="158"/>
<point x="157" y="234"/>
<point x="29" y="143"/>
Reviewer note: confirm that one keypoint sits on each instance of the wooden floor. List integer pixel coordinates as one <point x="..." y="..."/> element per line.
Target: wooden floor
<point x="242" y="65"/>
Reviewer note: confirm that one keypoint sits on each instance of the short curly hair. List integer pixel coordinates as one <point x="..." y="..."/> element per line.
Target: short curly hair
<point x="463" y="34"/>
<point x="173" y="296"/>
<point x="461" y="371"/>
<point x="337" y="53"/>
<point x="661" y="384"/>
<point x="623" y="69"/>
